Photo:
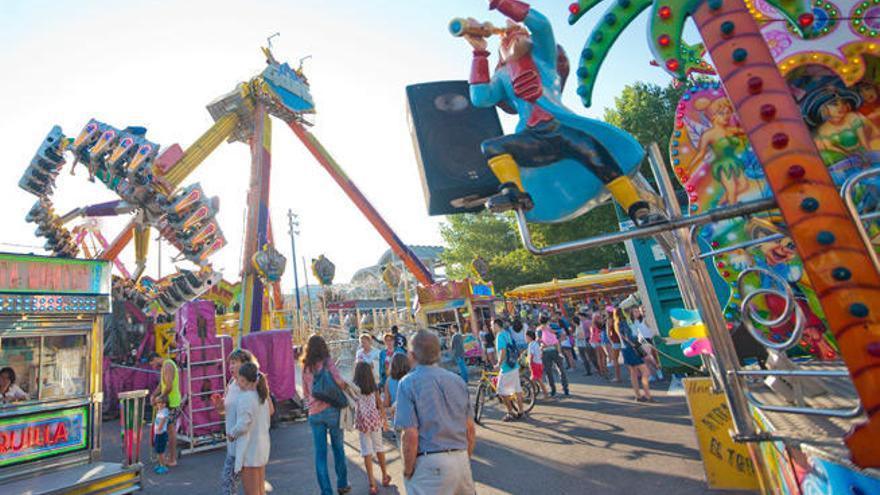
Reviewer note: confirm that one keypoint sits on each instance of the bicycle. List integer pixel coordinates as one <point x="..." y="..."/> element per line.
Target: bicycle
<point x="488" y="390"/>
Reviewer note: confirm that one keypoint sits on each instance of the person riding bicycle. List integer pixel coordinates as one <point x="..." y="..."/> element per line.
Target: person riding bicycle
<point x="509" y="386"/>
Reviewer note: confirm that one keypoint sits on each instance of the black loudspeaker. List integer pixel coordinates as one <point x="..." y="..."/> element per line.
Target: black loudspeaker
<point x="447" y="131"/>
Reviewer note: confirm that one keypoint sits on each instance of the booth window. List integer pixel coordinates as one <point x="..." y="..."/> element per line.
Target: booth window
<point x="22" y="355"/>
<point x="63" y="371"/>
<point x="45" y="368"/>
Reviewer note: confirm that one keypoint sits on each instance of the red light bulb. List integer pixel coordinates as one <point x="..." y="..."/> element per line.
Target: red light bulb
<point x="665" y="12"/>
<point x="574" y="8"/>
<point x="806" y="20"/>
<point x="664" y="40"/>
<point x="672" y="64"/>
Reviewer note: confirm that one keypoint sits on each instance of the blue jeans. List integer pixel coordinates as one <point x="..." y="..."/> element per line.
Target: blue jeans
<point x="462" y="368"/>
<point x="327" y="421"/>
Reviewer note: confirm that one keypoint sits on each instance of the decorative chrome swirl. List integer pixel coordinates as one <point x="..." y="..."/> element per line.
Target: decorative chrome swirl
<point x="750" y="318"/>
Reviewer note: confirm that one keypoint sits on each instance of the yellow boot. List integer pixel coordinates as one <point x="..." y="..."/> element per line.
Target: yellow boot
<point x="627" y="196"/>
<point x="506" y="170"/>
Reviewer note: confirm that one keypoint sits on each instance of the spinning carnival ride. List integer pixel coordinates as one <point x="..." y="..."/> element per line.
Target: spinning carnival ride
<point x="149" y="185"/>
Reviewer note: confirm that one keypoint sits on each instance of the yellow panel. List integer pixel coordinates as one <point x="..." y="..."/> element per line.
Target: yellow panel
<point x="117" y="482"/>
<point x="728" y="464"/>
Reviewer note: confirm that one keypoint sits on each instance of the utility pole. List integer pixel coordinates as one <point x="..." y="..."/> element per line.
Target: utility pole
<point x="308" y="296"/>
<point x="293" y="224"/>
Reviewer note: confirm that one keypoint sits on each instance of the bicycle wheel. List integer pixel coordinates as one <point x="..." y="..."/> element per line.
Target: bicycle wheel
<point x="479" y="403"/>
<point x="529" y="394"/>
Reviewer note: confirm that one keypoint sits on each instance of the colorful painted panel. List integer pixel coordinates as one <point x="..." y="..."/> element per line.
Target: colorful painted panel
<point x="35" y="436"/>
<point x="715" y="163"/>
<point x="37" y="274"/>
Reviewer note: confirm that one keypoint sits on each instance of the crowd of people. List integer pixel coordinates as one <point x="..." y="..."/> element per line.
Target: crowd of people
<point x="399" y="395"/>
<point x="602" y="339"/>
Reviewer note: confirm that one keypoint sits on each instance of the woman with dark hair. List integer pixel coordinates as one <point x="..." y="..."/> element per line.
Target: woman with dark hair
<point x="597" y="331"/>
<point x="632" y="356"/>
<point x="227" y="405"/>
<point x="324" y="418"/>
<point x="488" y="344"/>
<point x="9" y="391"/>
<point x="250" y="434"/>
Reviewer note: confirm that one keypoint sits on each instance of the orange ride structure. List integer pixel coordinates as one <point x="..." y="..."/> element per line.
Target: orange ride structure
<point x="756" y="50"/>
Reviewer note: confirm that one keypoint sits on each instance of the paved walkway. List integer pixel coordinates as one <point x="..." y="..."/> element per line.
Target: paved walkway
<point x="597" y="441"/>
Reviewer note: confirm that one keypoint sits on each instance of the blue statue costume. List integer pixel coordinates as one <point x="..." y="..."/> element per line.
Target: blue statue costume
<point x="556" y="153"/>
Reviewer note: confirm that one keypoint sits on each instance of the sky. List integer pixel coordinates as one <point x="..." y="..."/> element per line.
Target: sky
<point x="158" y="63"/>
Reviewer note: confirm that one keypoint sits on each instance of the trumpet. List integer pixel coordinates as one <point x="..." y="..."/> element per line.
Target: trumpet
<point x="459" y="27"/>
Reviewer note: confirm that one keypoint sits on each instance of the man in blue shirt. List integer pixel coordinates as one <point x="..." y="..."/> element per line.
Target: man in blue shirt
<point x="509" y="386"/>
<point x="438" y="433"/>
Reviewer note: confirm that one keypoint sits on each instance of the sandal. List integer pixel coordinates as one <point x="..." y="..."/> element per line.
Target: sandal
<point x="386" y="480"/>
<point x="508" y="418"/>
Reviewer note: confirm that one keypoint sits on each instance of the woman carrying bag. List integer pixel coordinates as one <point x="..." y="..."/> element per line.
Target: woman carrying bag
<point x="324" y="402"/>
<point x="633" y="357"/>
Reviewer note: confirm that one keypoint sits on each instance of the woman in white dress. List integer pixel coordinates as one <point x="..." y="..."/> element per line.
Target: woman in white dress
<point x="250" y="434"/>
<point x="226" y="405"/>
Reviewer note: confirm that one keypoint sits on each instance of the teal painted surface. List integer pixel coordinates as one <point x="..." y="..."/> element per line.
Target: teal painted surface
<point x="665" y="295"/>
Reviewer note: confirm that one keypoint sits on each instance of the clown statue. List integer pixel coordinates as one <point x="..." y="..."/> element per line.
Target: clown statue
<point x="549" y="137"/>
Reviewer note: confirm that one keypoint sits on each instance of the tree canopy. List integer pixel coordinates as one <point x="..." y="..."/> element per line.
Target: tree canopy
<point x="647" y="111"/>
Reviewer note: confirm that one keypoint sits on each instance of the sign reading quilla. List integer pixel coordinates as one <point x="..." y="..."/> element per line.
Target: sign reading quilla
<point x="35" y="436"/>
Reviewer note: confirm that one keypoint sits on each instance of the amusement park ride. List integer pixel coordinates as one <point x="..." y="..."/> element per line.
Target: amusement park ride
<point x="149" y="181"/>
<point x="779" y="159"/>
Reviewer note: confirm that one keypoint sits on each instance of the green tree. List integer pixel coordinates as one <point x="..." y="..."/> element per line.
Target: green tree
<point x="647" y="111"/>
<point x="496" y="240"/>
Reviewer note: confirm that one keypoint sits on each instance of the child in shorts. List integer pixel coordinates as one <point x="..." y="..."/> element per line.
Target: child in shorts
<point x="535" y="362"/>
<point x="160" y="433"/>
<point x="370" y="421"/>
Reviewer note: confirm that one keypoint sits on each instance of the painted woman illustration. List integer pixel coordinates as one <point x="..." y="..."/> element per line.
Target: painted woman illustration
<point x="840" y="131"/>
<point x="727" y="143"/>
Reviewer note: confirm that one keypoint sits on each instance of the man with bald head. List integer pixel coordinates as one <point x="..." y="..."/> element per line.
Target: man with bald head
<point x="438" y="433"/>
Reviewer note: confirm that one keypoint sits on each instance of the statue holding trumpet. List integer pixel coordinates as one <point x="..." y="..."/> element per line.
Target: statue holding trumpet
<point x="557" y="163"/>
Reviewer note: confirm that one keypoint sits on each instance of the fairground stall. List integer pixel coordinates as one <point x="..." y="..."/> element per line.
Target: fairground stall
<point x="570" y="294"/>
<point x="51" y="347"/>
<point x="468" y="303"/>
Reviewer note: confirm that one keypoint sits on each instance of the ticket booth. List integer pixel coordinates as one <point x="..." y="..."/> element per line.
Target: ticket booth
<point x="51" y="349"/>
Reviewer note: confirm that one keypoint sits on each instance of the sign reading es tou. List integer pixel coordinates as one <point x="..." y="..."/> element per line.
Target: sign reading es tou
<point x="728" y="464"/>
<point x="35" y="436"/>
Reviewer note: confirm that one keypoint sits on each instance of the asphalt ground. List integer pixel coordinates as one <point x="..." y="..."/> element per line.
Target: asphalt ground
<point x="598" y="441"/>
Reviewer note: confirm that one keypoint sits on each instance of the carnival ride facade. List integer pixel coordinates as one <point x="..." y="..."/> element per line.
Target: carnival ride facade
<point x="777" y="158"/>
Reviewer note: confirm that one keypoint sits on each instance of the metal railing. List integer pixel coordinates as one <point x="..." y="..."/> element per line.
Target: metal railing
<point x="677" y="237"/>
